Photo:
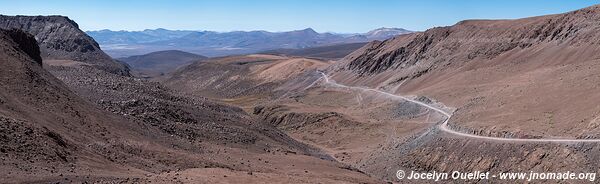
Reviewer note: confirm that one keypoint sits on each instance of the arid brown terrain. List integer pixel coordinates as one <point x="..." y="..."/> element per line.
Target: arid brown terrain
<point x="530" y="78"/>
<point x="525" y="84"/>
<point x="481" y="95"/>
<point x="80" y="123"/>
<point x="510" y="78"/>
<point x="289" y="93"/>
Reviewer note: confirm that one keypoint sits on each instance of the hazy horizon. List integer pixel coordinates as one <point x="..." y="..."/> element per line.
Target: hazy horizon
<point x="334" y="16"/>
<point x="249" y="30"/>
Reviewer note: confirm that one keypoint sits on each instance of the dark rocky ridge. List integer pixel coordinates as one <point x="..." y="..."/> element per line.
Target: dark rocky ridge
<point x="60" y="38"/>
<point x="36" y="111"/>
<point x="25" y="42"/>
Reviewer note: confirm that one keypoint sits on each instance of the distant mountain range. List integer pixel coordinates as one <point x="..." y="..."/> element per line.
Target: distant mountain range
<point x="160" y="62"/>
<point x="212" y="44"/>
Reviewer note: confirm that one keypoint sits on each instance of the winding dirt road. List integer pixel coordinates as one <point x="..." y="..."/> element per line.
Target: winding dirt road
<point x="444" y="126"/>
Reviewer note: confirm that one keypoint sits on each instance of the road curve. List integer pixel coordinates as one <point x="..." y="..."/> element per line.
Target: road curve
<point x="444" y="126"/>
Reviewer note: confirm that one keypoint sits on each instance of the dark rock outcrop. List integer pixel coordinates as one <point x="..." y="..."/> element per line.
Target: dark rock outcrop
<point x="26" y="43"/>
<point x="60" y="38"/>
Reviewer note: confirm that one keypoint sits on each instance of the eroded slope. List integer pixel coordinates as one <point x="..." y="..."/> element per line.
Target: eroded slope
<point x="61" y="39"/>
<point x="509" y="78"/>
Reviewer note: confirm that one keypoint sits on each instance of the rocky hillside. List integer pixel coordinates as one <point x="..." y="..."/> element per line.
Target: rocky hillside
<point x="477" y="40"/>
<point x="257" y="75"/>
<point x="519" y="78"/>
<point x="46" y="129"/>
<point x="107" y="128"/>
<point x="60" y="38"/>
<point x="24" y="42"/>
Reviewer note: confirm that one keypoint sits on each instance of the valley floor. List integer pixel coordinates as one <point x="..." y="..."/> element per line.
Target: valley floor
<point x="379" y="132"/>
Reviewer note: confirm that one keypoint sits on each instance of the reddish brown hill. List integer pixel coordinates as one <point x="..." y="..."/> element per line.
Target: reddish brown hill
<point x="48" y="134"/>
<point x="524" y="77"/>
<point x="477" y="39"/>
<point x="45" y="128"/>
<point x="255" y="76"/>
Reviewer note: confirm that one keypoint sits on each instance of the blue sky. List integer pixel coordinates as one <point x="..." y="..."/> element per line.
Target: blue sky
<point x="343" y="16"/>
